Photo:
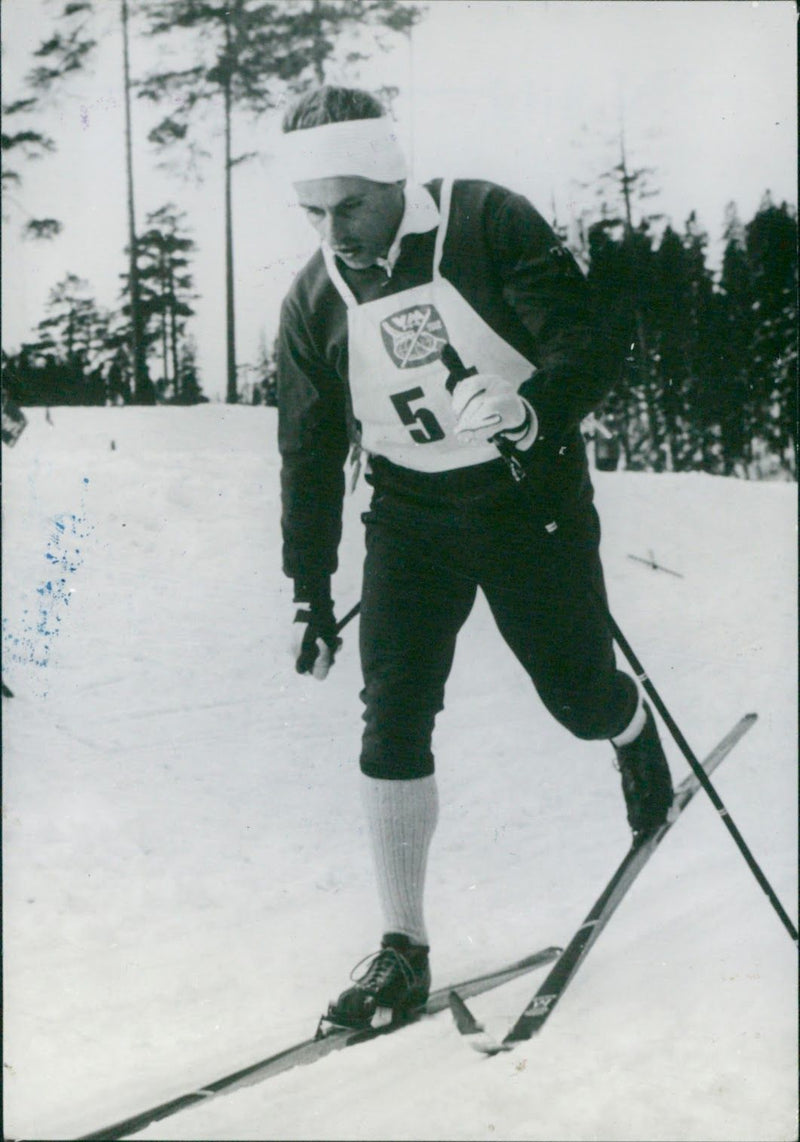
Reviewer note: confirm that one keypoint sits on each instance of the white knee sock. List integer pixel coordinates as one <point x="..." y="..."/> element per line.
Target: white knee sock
<point x="401" y="819"/>
<point x="634" y="726"/>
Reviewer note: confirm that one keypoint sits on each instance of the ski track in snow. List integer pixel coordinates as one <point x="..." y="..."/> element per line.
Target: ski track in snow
<point x="186" y="877"/>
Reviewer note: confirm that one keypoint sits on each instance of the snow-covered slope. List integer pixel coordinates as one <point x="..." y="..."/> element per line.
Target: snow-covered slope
<point x="186" y="875"/>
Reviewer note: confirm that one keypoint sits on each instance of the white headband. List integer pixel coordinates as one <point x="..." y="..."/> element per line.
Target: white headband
<point x="367" y="148"/>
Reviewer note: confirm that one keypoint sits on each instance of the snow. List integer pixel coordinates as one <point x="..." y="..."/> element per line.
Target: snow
<point x="187" y="880"/>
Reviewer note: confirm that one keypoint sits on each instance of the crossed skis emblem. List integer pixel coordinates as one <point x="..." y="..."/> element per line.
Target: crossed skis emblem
<point x="414" y="336"/>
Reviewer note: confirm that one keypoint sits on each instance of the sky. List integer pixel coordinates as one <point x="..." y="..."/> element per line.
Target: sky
<point x="529" y="93"/>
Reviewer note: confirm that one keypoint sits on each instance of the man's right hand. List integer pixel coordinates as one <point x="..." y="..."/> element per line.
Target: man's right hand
<point x="316" y="625"/>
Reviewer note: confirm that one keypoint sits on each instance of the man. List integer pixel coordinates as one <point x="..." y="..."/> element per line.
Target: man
<point x="402" y="272"/>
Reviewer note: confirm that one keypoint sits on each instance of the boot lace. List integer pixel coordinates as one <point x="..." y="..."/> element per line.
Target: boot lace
<point x="380" y="967"/>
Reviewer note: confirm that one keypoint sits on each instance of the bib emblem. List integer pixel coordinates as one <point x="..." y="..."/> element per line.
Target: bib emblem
<point x="414" y="336"/>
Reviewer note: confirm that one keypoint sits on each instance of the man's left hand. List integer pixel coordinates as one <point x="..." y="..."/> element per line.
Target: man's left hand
<point x="487" y="405"/>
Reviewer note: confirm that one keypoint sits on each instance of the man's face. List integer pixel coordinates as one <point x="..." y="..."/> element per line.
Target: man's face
<point x="357" y="218"/>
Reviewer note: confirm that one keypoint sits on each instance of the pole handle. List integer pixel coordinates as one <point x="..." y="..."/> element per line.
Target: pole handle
<point x="455" y="367"/>
<point x="458" y="372"/>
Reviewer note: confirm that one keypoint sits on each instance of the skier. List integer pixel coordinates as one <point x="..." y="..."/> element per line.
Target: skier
<point x="402" y="271"/>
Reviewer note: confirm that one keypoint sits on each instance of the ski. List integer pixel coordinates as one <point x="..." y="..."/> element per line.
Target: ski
<point x="554" y="985"/>
<point x="310" y="1050"/>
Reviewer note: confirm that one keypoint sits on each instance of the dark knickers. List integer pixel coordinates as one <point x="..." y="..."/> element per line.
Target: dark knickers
<point x="424" y="564"/>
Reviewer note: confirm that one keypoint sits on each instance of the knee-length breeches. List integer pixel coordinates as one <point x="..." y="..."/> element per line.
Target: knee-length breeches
<point x="423" y="567"/>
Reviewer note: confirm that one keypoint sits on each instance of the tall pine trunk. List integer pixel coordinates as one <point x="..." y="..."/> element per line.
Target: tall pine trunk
<point x="141" y="388"/>
<point x="230" y="336"/>
<point x="165" y="350"/>
<point x="173" y="328"/>
<point x="163" y="304"/>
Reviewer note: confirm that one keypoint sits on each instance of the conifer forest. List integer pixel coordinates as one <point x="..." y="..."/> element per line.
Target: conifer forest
<point x="708" y="353"/>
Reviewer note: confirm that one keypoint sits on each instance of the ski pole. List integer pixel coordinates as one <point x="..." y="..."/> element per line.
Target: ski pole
<point x="457" y="371"/>
<point x="351" y="614"/>
<point x="700" y="773"/>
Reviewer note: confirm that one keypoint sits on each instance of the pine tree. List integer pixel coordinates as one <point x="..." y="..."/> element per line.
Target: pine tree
<point x="166" y="289"/>
<point x="65" y="365"/>
<point x="680" y="314"/>
<point x="27" y="144"/>
<point x="61" y="54"/>
<point x="188" y="387"/>
<point x="771" y="243"/>
<point x="65" y="52"/>
<point x="245" y="53"/>
<point x="620" y="249"/>
<point x="757" y="340"/>
<point x="732" y="334"/>
<point x="76" y="329"/>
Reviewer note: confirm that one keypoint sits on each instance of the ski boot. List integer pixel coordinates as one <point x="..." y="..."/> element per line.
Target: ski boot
<point x="646" y="780"/>
<point x="394" y="984"/>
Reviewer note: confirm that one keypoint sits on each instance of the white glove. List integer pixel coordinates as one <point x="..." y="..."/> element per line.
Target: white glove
<point x="486" y="406"/>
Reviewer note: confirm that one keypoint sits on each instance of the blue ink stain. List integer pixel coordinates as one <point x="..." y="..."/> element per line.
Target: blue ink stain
<point x="54" y="593"/>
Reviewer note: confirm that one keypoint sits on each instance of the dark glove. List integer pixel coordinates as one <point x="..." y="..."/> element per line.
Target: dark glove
<point x="320" y="641"/>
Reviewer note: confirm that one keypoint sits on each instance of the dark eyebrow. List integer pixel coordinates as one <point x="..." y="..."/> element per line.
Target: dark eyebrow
<point x="351" y="200"/>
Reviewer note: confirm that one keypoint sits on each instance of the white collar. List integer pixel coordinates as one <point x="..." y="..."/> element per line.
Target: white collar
<point x="420" y="215"/>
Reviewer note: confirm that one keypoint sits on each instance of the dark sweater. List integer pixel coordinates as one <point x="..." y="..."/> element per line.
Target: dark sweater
<point x="508" y="264"/>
